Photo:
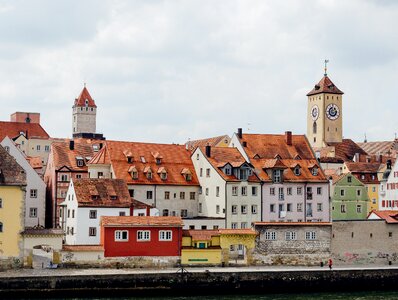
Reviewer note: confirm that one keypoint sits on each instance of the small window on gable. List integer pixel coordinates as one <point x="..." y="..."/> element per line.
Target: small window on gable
<point x="80" y="161"/>
<point x="277" y="156"/>
<point x="227" y="170"/>
<point x="129" y="159"/>
<point x="256" y="156"/>
<point x="163" y="174"/>
<point x="297" y="157"/>
<point x="158" y="161"/>
<point x="113" y="197"/>
<point x="134" y="172"/>
<point x="95" y="197"/>
<point x="143" y="159"/>
<point x="297" y="171"/>
<point x="149" y="174"/>
<point x="314" y="171"/>
<point x="187" y="174"/>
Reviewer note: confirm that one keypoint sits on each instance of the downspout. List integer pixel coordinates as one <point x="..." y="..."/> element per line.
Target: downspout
<point x="55" y="202"/>
<point x="154" y="192"/>
<point x="305" y="202"/>
<point x="226" y="207"/>
<point x="261" y="202"/>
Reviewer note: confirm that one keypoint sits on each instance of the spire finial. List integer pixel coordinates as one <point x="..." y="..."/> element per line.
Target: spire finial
<point x="326" y="67"/>
<point x="84" y="84"/>
<point x="365" y="140"/>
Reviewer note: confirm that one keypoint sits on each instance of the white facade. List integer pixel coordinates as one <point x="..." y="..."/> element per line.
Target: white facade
<point x="238" y="202"/>
<point x="35" y="189"/>
<point x="82" y="224"/>
<point x="388" y="190"/>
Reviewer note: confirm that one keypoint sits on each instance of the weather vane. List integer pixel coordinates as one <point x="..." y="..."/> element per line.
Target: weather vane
<point x="326" y="67"/>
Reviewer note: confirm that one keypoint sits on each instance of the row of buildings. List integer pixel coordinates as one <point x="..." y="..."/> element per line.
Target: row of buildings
<point x="65" y="187"/>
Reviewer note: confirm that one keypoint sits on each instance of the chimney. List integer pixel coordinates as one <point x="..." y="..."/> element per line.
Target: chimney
<point x="101" y="145"/>
<point x="208" y="150"/>
<point x="244" y="144"/>
<point x="389" y="164"/>
<point x="72" y="145"/>
<point x="240" y="133"/>
<point x="288" y="138"/>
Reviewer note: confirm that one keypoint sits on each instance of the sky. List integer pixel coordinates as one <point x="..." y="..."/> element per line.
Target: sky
<point x="170" y="71"/>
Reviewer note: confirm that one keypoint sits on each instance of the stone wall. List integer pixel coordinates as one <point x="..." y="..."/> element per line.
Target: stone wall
<point x="365" y="242"/>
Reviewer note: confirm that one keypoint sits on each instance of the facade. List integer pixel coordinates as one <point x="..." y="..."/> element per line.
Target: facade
<point x="324" y="113"/>
<point x="12" y="199"/>
<point x="141" y="236"/>
<point x="367" y="173"/>
<point x="87" y="200"/>
<point x="229" y="188"/>
<point x="294" y="187"/>
<point x="35" y="195"/>
<point x="68" y="160"/>
<point x="292" y="243"/>
<point x="201" y="247"/>
<point x="350" y="200"/>
<point x="159" y="175"/>
<point x="388" y="192"/>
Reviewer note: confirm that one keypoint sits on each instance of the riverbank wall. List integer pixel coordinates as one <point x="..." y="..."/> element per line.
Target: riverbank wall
<point x="197" y="283"/>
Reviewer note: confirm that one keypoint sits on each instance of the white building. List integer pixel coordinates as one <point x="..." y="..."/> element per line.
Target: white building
<point x="388" y="190"/>
<point x="229" y="189"/>
<point x="87" y="200"/>
<point x="35" y="189"/>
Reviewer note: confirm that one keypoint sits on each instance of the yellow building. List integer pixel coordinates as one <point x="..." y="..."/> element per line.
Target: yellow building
<point x="12" y="195"/>
<point x="218" y="247"/>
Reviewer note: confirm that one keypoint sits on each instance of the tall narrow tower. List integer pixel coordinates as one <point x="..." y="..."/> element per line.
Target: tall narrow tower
<point x="84" y="114"/>
<point x="325" y="113"/>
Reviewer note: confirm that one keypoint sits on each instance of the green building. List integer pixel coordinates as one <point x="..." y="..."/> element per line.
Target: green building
<point x="350" y="199"/>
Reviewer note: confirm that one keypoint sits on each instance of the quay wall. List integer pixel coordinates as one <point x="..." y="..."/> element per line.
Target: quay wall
<point x="198" y="283"/>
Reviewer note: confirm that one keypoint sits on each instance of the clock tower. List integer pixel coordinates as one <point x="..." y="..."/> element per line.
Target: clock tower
<point x="325" y="114"/>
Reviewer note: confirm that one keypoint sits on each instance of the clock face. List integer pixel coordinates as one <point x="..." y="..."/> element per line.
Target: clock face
<point x="315" y="112"/>
<point x="332" y="111"/>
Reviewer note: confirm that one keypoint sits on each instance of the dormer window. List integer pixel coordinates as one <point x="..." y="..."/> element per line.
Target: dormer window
<point x="297" y="171"/>
<point x="314" y="171"/>
<point x="188" y="177"/>
<point x="227" y="171"/>
<point x="158" y="161"/>
<point x="143" y="159"/>
<point x="187" y="174"/>
<point x="129" y="159"/>
<point x="163" y="173"/>
<point x="96" y="148"/>
<point x="113" y="197"/>
<point x="277" y="176"/>
<point x="149" y="174"/>
<point x="95" y="197"/>
<point x="133" y="171"/>
<point x="80" y="161"/>
<point x="297" y="157"/>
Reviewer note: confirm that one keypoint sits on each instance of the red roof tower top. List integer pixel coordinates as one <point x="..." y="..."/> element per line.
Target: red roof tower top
<point x="85" y="99"/>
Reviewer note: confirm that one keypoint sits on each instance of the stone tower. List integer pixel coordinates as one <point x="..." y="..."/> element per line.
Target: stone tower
<point x="325" y="114"/>
<point x="84" y="114"/>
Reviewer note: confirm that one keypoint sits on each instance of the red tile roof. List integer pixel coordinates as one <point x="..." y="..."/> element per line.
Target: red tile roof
<point x="35" y="162"/>
<point x="99" y="192"/>
<point x="128" y="221"/>
<point x="390" y="216"/>
<point x="200" y="235"/>
<point x="363" y="167"/>
<point x="81" y="100"/>
<point x="221" y="156"/>
<point x="175" y="159"/>
<point x="14" y="129"/>
<point x="139" y="205"/>
<point x="101" y="157"/>
<point x="325" y="85"/>
<point x="346" y="150"/>
<point x="64" y="156"/>
<point x="213" y="141"/>
<point x="384" y="147"/>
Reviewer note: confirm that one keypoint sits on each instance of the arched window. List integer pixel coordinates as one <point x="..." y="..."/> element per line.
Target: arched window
<point x="314" y="127"/>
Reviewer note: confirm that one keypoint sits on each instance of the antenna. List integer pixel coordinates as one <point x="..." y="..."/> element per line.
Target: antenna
<point x="326" y="67"/>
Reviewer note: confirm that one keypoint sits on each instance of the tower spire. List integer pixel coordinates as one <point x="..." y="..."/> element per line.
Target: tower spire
<point x="326" y="67"/>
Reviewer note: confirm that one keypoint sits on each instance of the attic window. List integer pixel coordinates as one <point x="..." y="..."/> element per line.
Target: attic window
<point x="79" y="161"/>
<point x="129" y="159"/>
<point x="227" y="171"/>
<point x="163" y="175"/>
<point x="134" y="175"/>
<point x="21" y="132"/>
<point x="86" y="102"/>
<point x="143" y="159"/>
<point x="314" y="171"/>
<point x="95" y="197"/>
<point x="277" y="156"/>
<point x="149" y="174"/>
<point x="113" y="197"/>
<point x="298" y="157"/>
<point x="95" y="148"/>
<point x="256" y="156"/>
<point x="188" y="177"/>
<point x="158" y="161"/>
<point x="297" y="171"/>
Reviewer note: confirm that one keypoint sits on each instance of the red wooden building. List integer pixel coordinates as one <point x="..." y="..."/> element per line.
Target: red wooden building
<point x="141" y="236"/>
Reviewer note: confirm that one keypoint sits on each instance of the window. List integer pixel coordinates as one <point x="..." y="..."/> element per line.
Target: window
<point x="121" y="235"/>
<point x="342" y="193"/>
<point x="299" y="191"/>
<point x="362" y="176"/>
<point x="163" y="175"/>
<point x="143" y="235"/>
<point x="254" y="191"/>
<point x="73" y="213"/>
<point x="1" y="227"/>
<point x="122" y="213"/>
<point x="149" y="194"/>
<point x="359" y="208"/>
<point x="243" y="225"/>
<point x="165" y="213"/>
<point x="289" y="191"/>
<point x="272" y="191"/>
<point x="234" y="209"/>
<point x="72" y="230"/>
<point x="197" y="156"/>
<point x="33" y="212"/>
<point x="182" y="195"/>
<point x="93" y="214"/>
<point x="131" y="192"/>
<point x="143" y="159"/>
<point x="33" y="193"/>
<point x="47" y="148"/>
<point x="192" y="195"/>
<point x="270" y="235"/>
<point x="1" y="203"/>
<point x="227" y="171"/>
<point x="299" y="207"/>
<point x="373" y="189"/>
<point x="184" y="213"/>
<point x="207" y="172"/>
<point x="254" y="209"/>
<point x="200" y="208"/>
<point x="78" y="176"/>
<point x="309" y="193"/>
<point x="343" y="208"/>
<point x="272" y="208"/>
<point x="92" y="231"/>
<point x="308" y="209"/>
<point x="289" y="207"/>
<point x="217" y="209"/>
<point x="234" y="225"/>
<point x="280" y="193"/>
<point x="297" y="171"/>
<point x="243" y="174"/>
<point x="244" y="190"/>
<point x="358" y="193"/>
<point x="207" y="191"/>
<point x="349" y="179"/>
<point x="319" y="191"/>
<point x="234" y="191"/>
<point x="7" y="149"/>
<point x="374" y="201"/>
<point x="80" y="163"/>
<point x="217" y="191"/>
<point x="314" y="171"/>
<point x="201" y="172"/>
<point x="277" y="176"/>
<point x="167" y="195"/>
<point x="165" y="235"/>
<point x="243" y="209"/>
<point x="314" y="128"/>
<point x="149" y="174"/>
<point x="319" y="207"/>
<point x="64" y="177"/>
<point x="290" y="235"/>
<point x="310" y="235"/>
<point x="38" y="147"/>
